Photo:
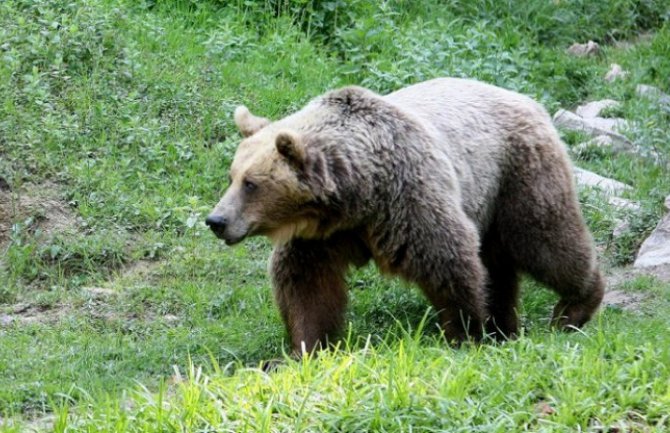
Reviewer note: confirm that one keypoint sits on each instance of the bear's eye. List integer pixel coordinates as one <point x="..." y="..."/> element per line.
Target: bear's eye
<point x="249" y="186"/>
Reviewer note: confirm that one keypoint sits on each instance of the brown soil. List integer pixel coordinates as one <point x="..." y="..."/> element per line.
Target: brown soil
<point x="624" y="300"/>
<point x="38" y="205"/>
<point x="631" y="301"/>
<point x="27" y="314"/>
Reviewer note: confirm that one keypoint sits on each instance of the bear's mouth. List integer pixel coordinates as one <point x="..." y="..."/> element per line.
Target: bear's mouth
<point x="233" y="241"/>
<point x="234" y="235"/>
<point x="228" y="238"/>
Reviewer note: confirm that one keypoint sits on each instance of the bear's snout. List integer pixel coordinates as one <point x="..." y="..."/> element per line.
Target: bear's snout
<point x="217" y="224"/>
<point x="231" y="231"/>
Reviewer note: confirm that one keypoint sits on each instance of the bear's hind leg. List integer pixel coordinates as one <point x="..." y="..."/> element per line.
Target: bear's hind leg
<point x="576" y="307"/>
<point x="502" y="289"/>
<point x="542" y="227"/>
<point x="309" y="286"/>
<point x="562" y="258"/>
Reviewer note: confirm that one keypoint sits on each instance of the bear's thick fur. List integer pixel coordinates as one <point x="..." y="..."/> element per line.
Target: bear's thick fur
<point x="454" y="185"/>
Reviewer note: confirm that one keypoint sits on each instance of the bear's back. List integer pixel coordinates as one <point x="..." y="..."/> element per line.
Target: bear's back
<point x="473" y="123"/>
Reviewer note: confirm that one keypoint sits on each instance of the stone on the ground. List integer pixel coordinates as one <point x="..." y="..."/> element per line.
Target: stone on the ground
<point x="655" y="250"/>
<point x="593" y="127"/>
<point x="601" y="141"/>
<point x="623" y="203"/>
<point x="605" y="142"/>
<point x="584" y="50"/>
<point x="590" y="125"/>
<point x="593" y="180"/>
<point x="610" y="187"/>
<point x="6" y="320"/>
<point x="654" y="93"/>
<point x="615" y="72"/>
<point x="593" y="109"/>
<point x="621" y="228"/>
<point x="609" y="124"/>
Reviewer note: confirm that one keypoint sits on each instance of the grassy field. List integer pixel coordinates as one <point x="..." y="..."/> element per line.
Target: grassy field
<point x="119" y="311"/>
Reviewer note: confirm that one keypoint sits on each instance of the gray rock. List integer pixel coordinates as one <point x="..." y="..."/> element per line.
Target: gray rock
<point x="593" y="109"/>
<point x="655" y="250"/>
<point x="654" y="93"/>
<point x="6" y="320"/>
<point x="593" y="127"/>
<point x="592" y="180"/>
<point x="601" y="141"/>
<point x="623" y="203"/>
<point x="604" y="142"/>
<point x="615" y="72"/>
<point x="584" y="50"/>
<point x="621" y="228"/>
<point x="610" y="187"/>
<point x="613" y="125"/>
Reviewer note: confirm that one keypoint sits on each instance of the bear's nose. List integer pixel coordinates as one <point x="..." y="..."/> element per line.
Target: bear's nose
<point x="216" y="222"/>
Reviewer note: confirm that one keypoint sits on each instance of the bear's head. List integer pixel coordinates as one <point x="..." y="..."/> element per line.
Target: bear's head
<point x="306" y="175"/>
<point x="275" y="184"/>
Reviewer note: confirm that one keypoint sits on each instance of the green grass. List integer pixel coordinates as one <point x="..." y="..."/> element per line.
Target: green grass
<point x="120" y="113"/>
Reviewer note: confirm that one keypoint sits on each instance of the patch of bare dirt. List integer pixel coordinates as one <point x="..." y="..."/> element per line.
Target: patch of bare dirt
<point x="29" y="314"/>
<point x="30" y="425"/>
<point x="631" y="301"/>
<point x="99" y="293"/>
<point x="618" y="276"/>
<point x="98" y="302"/>
<point x="38" y="205"/>
<point x="140" y="269"/>
<point x="623" y="300"/>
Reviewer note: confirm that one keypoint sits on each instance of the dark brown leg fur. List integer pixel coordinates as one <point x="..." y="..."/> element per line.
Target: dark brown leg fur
<point x="446" y="266"/>
<point x="310" y="290"/>
<point x="563" y="259"/>
<point x="574" y="311"/>
<point x="502" y="289"/>
<point x="540" y="222"/>
<point x="460" y="321"/>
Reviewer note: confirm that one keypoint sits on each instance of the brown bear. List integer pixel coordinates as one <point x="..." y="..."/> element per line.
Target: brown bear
<point x="452" y="184"/>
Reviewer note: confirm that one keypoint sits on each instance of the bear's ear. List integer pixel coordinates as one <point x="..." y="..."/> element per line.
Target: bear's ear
<point x="290" y="146"/>
<point x="247" y="123"/>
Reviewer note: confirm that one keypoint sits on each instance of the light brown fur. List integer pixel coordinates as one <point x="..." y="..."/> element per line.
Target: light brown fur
<point x="454" y="185"/>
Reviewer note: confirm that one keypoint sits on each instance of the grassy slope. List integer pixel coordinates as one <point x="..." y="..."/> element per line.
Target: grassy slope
<point x="127" y="109"/>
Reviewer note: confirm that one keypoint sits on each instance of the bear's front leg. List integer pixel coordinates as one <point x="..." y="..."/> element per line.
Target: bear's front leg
<point x="309" y="286"/>
<point x="456" y="292"/>
<point x="444" y="262"/>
